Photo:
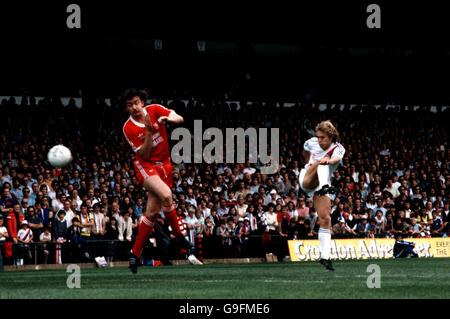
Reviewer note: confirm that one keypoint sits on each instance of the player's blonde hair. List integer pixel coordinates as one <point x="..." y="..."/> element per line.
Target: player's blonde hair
<point x="328" y="128"/>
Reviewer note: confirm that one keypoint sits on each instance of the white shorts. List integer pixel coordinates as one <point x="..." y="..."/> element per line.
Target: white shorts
<point x="310" y="192"/>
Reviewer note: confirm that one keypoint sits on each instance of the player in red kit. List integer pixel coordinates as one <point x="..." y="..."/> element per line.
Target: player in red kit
<point x="146" y="133"/>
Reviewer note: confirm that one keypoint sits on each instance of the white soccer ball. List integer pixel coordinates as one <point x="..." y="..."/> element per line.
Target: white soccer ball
<point x="59" y="156"/>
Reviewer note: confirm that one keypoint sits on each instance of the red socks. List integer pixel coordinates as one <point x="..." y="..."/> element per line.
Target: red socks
<point x="146" y="227"/>
<point x="171" y="216"/>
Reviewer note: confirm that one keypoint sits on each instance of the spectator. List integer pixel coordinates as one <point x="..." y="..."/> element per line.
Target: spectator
<point x="244" y="235"/>
<point x="291" y="198"/>
<point x="115" y="210"/>
<point x="389" y="227"/>
<point x="362" y="227"/>
<point x="223" y="237"/>
<point x="312" y="217"/>
<point x="241" y="207"/>
<point x="45" y="214"/>
<point x="14" y="218"/>
<point x="7" y="200"/>
<point x="3" y="232"/>
<point x="293" y="213"/>
<point x="191" y="222"/>
<point x="370" y="229"/>
<point x="59" y="229"/>
<point x="380" y="221"/>
<point x="392" y="189"/>
<point x="303" y="228"/>
<point x="24" y="237"/>
<point x="58" y="202"/>
<point x="112" y="234"/>
<point x="271" y="198"/>
<point x="446" y="212"/>
<point x="380" y="207"/>
<point x="271" y="219"/>
<point x="302" y="210"/>
<point x="400" y="227"/>
<point x="35" y="223"/>
<point x="342" y="230"/>
<point x="99" y="227"/>
<point x="86" y="219"/>
<point x="415" y="229"/>
<point x="33" y="194"/>
<point x="75" y="201"/>
<point x="76" y="241"/>
<point x="69" y="212"/>
<point x="436" y="226"/>
<point x="138" y="208"/>
<point x="125" y="225"/>
<point x="222" y="210"/>
<point x="371" y="202"/>
<point x="338" y="213"/>
<point x="17" y="190"/>
<point x="45" y="238"/>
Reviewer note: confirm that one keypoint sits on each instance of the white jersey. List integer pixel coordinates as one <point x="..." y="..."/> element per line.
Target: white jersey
<point x="312" y="146"/>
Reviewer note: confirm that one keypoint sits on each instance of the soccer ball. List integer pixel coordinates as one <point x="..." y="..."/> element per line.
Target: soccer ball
<point x="59" y="156"/>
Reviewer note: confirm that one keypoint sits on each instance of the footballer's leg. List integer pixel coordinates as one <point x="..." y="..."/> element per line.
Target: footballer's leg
<point x="146" y="227"/>
<point x="324" y="176"/>
<point x="322" y="203"/>
<point x="311" y="179"/>
<point x="163" y="192"/>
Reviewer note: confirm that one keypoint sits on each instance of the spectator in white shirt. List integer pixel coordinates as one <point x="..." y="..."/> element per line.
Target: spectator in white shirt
<point x="125" y="226"/>
<point x="3" y="231"/>
<point x="70" y="214"/>
<point x="271" y="219"/>
<point x="58" y="202"/>
<point x="44" y="239"/>
<point x="24" y="237"/>
<point x="241" y="207"/>
<point x="99" y="228"/>
<point x="391" y="188"/>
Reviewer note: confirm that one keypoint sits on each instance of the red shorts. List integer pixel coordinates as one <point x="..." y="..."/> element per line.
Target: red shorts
<point x="146" y="169"/>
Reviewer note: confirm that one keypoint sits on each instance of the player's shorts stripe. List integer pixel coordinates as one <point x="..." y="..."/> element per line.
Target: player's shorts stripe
<point x="141" y="170"/>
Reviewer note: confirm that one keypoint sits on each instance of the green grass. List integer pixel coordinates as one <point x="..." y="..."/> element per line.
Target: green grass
<point x="407" y="278"/>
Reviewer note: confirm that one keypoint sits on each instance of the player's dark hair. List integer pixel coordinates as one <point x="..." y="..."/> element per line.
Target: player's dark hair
<point x="128" y="94"/>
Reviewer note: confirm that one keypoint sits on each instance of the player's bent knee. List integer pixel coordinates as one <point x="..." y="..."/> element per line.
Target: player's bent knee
<point x="166" y="199"/>
<point x="310" y="182"/>
<point x="150" y="214"/>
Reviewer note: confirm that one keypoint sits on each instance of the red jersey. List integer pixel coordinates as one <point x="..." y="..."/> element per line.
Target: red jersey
<point x="135" y="134"/>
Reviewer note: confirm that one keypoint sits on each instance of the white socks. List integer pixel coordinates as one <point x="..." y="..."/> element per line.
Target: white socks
<point x="323" y="174"/>
<point x="325" y="243"/>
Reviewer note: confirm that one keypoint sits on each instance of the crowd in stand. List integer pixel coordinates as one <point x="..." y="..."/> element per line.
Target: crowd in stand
<point x="394" y="179"/>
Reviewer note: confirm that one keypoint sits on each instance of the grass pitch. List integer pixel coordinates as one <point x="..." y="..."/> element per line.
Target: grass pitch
<point x="405" y="278"/>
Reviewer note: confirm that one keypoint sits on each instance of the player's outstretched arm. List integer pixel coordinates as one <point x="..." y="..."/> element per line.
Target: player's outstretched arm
<point x="333" y="160"/>
<point x="173" y="118"/>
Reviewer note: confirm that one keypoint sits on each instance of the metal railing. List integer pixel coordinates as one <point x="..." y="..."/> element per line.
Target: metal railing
<point x="74" y="252"/>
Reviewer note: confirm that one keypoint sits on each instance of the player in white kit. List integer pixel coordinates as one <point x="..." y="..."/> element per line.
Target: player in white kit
<point x="323" y="155"/>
